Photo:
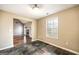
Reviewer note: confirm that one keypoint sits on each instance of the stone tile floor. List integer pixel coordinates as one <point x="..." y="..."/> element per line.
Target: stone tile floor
<point x="35" y="48"/>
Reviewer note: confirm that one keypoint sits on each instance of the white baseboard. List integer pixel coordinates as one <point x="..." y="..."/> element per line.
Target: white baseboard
<point x="6" y="47"/>
<point x="34" y="40"/>
<point x="60" y="47"/>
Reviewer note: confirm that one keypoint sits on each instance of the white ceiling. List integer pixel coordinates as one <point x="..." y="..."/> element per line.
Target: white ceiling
<point x="26" y="10"/>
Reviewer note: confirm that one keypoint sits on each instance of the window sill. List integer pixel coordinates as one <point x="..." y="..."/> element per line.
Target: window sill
<point x="52" y="37"/>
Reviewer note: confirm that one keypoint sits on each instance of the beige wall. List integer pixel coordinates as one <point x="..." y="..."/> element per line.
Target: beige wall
<point x="68" y="29"/>
<point x="6" y="28"/>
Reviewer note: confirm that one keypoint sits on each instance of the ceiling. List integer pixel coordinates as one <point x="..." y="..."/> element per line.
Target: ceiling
<point x="27" y="11"/>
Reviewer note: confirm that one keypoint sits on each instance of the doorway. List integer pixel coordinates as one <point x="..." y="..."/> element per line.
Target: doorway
<point x="18" y="32"/>
<point x="28" y="32"/>
<point x="22" y="32"/>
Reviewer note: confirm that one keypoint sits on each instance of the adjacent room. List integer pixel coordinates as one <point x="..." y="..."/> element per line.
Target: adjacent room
<point x="39" y="29"/>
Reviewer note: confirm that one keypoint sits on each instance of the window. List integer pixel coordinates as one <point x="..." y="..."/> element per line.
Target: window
<point x="52" y="28"/>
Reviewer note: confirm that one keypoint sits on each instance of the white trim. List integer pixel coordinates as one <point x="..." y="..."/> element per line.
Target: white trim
<point x="6" y="47"/>
<point x="34" y="40"/>
<point x="61" y="47"/>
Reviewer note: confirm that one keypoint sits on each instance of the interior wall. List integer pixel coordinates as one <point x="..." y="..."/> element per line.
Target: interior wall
<point x="6" y="28"/>
<point x="34" y="30"/>
<point x="68" y="36"/>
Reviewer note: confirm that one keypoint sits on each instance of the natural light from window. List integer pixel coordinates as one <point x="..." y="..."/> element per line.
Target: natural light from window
<point x="52" y="27"/>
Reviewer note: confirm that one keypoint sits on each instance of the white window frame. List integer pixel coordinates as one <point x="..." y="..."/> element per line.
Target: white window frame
<point x="47" y="35"/>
